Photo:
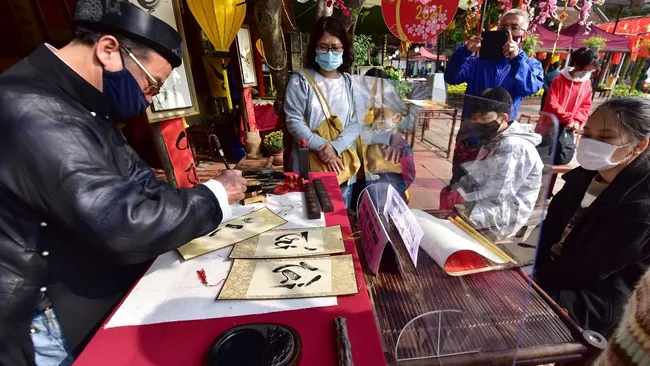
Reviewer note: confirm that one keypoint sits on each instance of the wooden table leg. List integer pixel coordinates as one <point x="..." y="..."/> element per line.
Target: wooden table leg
<point x="451" y="135"/>
<point x="424" y="126"/>
<point x="551" y="186"/>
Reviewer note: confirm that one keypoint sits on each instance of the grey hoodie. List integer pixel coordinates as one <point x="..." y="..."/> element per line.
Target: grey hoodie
<point x="504" y="181"/>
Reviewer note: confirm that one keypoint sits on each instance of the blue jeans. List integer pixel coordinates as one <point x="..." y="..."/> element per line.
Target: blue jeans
<point x="346" y="191"/>
<point x="50" y="349"/>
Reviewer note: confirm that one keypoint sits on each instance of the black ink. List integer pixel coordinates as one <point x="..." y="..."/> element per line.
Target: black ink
<point x="191" y="171"/>
<point x="229" y="226"/>
<point x="290" y="275"/>
<point x="248" y="220"/>
<point x="285" y="241"/>
<point x="179" y="140"/>
<point x="315" y="279"/>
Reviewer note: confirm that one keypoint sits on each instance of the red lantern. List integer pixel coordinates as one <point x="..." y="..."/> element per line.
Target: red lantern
<point x="418" y="21"/>
<point x="541" y="56"/>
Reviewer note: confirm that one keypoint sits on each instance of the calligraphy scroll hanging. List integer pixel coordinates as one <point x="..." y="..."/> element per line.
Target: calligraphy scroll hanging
<point x="177" y="146"/>
<point x="217" y="70"/>
<point x="418" y="21"/>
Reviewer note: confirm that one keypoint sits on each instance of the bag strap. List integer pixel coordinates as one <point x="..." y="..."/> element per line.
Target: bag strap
<point x="319" y="93"/>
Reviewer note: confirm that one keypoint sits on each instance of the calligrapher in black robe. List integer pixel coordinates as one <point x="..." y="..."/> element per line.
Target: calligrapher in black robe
<point x="81" y="215"/>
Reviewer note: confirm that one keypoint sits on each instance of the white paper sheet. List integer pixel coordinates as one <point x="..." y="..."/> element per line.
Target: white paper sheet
<point x="442" y="239"/>
<point x="171" y="291"/>
<point x="405" y="222"/>
<point x="296" y="217"/>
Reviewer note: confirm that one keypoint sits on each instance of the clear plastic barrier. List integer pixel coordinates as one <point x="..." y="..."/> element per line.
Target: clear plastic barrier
<point x="475" y="172"/>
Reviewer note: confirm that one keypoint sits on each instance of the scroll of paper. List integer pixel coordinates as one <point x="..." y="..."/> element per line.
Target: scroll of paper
<point x="290" y="278"/>
<point x="291" y="243"/>
<point x="233" y="231"/>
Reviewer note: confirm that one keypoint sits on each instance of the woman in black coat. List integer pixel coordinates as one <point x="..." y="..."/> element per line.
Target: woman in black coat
<point x="595" y="241"/>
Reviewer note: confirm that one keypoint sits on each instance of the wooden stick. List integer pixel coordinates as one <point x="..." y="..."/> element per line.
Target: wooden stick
<point x="345" y="347"/>
<point x="480" y="238"/>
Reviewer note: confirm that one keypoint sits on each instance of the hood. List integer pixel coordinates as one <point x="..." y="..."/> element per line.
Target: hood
<point x="525" y="132"/>
<point x="565" y="72"/>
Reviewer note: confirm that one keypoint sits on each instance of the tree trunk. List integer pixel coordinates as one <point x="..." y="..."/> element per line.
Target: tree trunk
<point x="322" y="10"/>
<point x="351" y="21"/>
<point x="626" y="66"/>
<point x="269" y="24"/>
<point x="637" y="73"/>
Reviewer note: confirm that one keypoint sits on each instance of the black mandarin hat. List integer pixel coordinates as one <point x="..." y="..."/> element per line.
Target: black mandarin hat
<point x="122" y="18"/>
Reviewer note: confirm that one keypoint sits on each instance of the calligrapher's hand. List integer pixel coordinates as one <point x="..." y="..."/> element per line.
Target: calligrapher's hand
<point x="234" y="184"/>
<point x="327" y="154"/>
<point x="474" y="44"/>
<point x="335" y="166"/>
<point x="511" y="48"/>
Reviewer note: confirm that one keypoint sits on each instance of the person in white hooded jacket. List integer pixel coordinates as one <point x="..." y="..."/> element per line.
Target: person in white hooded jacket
<point x="502" y="185"/>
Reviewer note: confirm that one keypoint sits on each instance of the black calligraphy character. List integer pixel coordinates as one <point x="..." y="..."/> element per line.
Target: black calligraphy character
<point x="285" y="241"/>
<point x="290" y="275"/>
<point x="192" y="175"/>
<point x="229" y="226"/>
<point x="248" y="220"/>
<point x="180" y="144"/>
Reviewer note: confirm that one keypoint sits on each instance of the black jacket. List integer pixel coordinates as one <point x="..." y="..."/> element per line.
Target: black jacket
<point x="606" y="252"/>
<point x="80" y="213"/>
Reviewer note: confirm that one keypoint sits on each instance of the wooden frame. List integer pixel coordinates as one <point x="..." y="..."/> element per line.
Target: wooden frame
<point x="185" y="68"/>
<point x="244" y="45"/>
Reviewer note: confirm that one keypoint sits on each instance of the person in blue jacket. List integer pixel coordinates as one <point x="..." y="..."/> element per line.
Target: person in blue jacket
<point x="520" y="75"/>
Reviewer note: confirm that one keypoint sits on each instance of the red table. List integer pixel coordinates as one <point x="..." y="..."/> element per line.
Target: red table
<point x="186" y="343"/>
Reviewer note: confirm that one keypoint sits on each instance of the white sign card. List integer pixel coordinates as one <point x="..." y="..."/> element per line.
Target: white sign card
<point x="405" y="222"/>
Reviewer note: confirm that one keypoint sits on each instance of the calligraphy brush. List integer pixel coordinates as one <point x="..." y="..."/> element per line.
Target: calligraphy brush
<point x="215" y="140"/>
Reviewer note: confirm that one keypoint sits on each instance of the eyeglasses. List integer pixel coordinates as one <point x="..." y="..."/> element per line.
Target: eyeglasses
<point x="321" y="48"/>
<point x="513" y="28"/>
<point x="154" y="87"/>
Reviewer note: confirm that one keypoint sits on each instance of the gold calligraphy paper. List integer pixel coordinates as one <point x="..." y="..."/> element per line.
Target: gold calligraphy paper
<point x="233" y="231"/>
<point x="290" y="278"/>
<point x="291" y="243"/>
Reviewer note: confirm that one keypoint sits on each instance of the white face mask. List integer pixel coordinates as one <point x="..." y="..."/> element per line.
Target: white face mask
<point x="595" y="155"/>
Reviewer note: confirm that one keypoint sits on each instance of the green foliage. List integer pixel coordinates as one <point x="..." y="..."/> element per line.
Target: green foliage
<point x="457" y="90"/>
<point x="402" y="88"/>
<point x="363" y="47"/>
<point x="529" y="43"/>
<point x="595" y="43"/>
<point x="273" y="141"/>
<point x="624" y="90"/>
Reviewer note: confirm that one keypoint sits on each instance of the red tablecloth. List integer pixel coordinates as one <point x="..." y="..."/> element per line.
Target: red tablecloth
<point x="185" y="343"/>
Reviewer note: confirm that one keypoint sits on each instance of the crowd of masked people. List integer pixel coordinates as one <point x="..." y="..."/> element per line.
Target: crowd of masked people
<point x="594" y="245"/>
<point x="82" y="215"/>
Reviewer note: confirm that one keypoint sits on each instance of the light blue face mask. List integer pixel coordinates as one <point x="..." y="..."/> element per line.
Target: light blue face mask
<point x="329" y="60"/>
<point x="581" y="74"/>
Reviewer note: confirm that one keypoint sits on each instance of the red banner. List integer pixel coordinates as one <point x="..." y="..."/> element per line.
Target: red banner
<point x="180" y="152"/>
<point x="418" y="21"/>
